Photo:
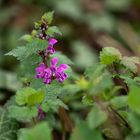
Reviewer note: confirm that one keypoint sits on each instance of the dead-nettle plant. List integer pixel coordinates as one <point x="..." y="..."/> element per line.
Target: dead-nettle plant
<point x="39" y="55"/>
<point x="104" y="102"/>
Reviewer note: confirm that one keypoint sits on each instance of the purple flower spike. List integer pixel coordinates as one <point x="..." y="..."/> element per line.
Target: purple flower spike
<point x="40" y="71"/>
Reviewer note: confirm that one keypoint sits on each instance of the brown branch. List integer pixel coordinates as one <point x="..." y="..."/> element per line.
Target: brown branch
<point x="44" y="58"/>
<point x="66" y="120"/>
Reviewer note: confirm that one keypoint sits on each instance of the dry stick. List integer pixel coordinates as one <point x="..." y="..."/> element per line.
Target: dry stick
<point x="63" y="133"/>
<point x="42" y="55"/>
<point x="65" y="120"/>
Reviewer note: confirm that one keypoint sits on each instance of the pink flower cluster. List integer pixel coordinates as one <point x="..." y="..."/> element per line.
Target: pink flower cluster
<point x="52" y="72"/>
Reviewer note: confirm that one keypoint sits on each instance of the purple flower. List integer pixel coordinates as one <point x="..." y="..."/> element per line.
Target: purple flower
<point x="40" y="71"/>
<point x="41" y="114"/>
<point x="53" y="64"/>
<point x="52" y="72"/>
<point x="52" y="41"/>
<point x="47" y="76"/>
<point x="50" y="49"/>
<point x="58" y="72"/>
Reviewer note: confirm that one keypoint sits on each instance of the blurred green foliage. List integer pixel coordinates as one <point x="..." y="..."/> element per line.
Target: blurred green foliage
<point x="87" y="26"/>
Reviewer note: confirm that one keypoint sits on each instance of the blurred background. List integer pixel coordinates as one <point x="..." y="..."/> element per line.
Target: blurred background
<point x="87" y="26"/>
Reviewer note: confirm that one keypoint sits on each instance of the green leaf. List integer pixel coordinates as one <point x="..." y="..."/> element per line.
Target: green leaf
<point x="29" y="96"/>
<point x="22" y="53"/>
<point x="34" y="46"/>
<point x="114" y="90"/>
<point x="134" y="121"/>
<point x="119" y="102"/>
<point x="87" y="100"/>
<point x="53" y="30"/>
<point x="134" y="98"/>
<point x="22" y="113"/>
<point x="70" y="90"/>
<point x="68" y="71"/>
<point x="8" y="126"/>
<point x="100" y="84"/>
<point x="48" y="17"/>
<point x="109" y="55"/>
<point x="130" y="63"/>
<point x="27" y="38"/>
<point x="82" y="83"/>
<point x="128" y="79"/>
<point x="40" y="132"/>
<point x="36" y="25"/>
<point x="23" y="94"/>
<point x="94" y="71"/>
<point x="133" y="137"/>
<point x="53" y="90"/>
<point x="82" y="132"/>
<point x="36" y="98"/>
<point x="19" y="52"/>
<point x="53" y="105"/>
<point x="96" y="117"/>
<point x="62" y="58"/>
<point x="137" y="79"/>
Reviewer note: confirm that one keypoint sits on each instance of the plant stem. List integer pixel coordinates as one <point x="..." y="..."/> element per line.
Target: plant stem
<point x="65" y="120"/>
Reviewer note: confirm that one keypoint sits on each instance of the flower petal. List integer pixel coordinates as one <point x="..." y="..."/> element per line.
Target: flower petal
<point x="63" y="66"/>
<point x="40" y="71"/>
<point x="61" y="77"/>
<point x="42" y="65"/>
<point x="48" y="73"/>
<point x="54" y="62"/>
<point x="52" y="41"/>
<point x="50" y="50"/>
<point x="47" y="81"/>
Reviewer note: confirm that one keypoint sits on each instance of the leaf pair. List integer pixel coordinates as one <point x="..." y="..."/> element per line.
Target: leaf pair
<point x="29" y="96"/>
